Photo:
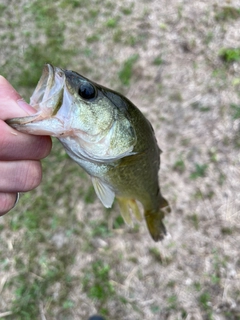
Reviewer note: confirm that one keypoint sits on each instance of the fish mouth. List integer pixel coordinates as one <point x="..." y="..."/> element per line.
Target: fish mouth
<point x="46" y="99"/>
<point x="45" y="83"/>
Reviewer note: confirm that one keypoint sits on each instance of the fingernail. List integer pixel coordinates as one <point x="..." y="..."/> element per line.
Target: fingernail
<point x="25" y="106"/>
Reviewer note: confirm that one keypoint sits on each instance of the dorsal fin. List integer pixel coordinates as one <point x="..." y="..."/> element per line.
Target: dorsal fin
<point x="104" y="192"/>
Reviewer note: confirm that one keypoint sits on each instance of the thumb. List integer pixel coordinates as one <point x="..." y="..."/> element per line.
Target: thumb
<point x="11" y="103"/>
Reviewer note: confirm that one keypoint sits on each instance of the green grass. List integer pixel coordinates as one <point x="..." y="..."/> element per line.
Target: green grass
<point x="118" y="222"/>
<point x="179" y="165"/>
<point x="50" y="26"/>
<point x="158" y="61"/>
<point x="2" y="9"/>
<point x="205" y="303"/>
<point x="97" y="284"/>
<point x="44" y="43"/>
<point x="172" y="302"/>
<point x="235" y="110"/>
<point x="230" y="55"/>
<point x="226" y="13"/>
<point x="111" y="22"/>
<point x="99" y="228"/>
<point x="155" y="253"/>
<point x="31" y="287"/>
<point x="194" y="219"/>
<point x="199" y="172"/>
<point x="198" y="106"/>
<point x="125" y="74"/>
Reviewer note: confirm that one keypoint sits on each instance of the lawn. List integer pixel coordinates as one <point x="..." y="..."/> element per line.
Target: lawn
<point x="63" y="255"/>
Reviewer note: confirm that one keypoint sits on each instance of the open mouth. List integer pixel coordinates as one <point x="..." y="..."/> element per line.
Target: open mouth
<point x="45" y="83"/>
<point x="48" y="94"/>
<point x="47" y="99"/>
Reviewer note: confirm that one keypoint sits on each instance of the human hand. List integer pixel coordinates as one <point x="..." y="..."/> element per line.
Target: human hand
<point x="20" y="154"/>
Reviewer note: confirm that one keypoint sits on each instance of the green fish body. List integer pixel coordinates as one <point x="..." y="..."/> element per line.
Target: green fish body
<point x="107" y="136"/>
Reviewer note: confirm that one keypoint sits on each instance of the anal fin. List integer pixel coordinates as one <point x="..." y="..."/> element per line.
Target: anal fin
<point x="135" y="209"/>
<point x="126" y="206"/>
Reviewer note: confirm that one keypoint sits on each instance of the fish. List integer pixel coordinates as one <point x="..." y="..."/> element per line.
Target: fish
<point x="106" y="135"/>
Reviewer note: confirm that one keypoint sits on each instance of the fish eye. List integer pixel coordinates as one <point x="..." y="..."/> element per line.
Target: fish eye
<point x="87" y="91"/>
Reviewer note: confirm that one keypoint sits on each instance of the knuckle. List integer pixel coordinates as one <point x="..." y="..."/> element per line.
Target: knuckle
<point x="32" y="176"/>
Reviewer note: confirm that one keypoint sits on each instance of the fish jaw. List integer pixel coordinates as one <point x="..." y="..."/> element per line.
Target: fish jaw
<point x="48" y="94"/>
<point x="37" y="125"/>
<point x="46" y="100"/>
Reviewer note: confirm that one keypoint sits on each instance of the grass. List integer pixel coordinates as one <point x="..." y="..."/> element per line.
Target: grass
<point x="125" y="74"/>
<point x="52" y="49"/>
<point x="111" y="23"/>
<point x="158" y="61"/>
<point x="230" y="55"/>
<point x="179" y="165"/>
<point x="32" y="288"/>
<point x="155" y="253"/>
<point x="226" y="13"/>
<point x="198" y="106"/>
<point x="199" y="172"/>
<point x="204" y="300"/>
<point x="99" y="229"/>
<point x="235" y="110"/>
<point x="97" y="284"/>
<point x="45" y="44"/>
<point x="194" y="219"/>
<point x="63" y="256"/>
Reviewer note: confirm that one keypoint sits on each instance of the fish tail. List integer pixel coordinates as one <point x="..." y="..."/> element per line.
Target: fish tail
<point x="155" y="225"/>
<point x="154" y="220"/>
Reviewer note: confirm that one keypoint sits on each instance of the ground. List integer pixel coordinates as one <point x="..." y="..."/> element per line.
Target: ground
<point x="62" y="255"/>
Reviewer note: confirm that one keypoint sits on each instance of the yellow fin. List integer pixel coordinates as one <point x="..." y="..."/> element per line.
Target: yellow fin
<point x="135" y="209"/>
<point x="124" y="208"/>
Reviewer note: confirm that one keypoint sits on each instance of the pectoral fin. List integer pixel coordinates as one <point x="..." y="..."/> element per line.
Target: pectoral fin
<point x="103" y="191"/>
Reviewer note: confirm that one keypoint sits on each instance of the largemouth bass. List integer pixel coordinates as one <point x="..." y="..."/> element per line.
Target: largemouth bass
<point x="107" y="136"/>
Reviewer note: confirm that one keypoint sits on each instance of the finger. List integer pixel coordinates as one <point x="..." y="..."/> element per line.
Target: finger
<point x="7" y="202"/>
<point x="19" y="176"/>
<point x="11" y="103"/>
<point x="20" y="146"/>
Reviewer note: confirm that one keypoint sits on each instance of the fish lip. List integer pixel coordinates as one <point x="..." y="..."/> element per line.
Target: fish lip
<point x="49" y="85"/>
<point x="46" y="100"/>
<point x="46" y="80"/>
